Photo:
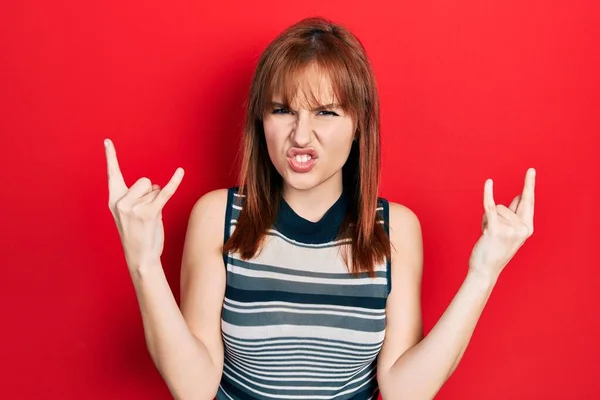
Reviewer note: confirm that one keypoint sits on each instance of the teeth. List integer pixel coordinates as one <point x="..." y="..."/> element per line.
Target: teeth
<point x="303" y="158"/>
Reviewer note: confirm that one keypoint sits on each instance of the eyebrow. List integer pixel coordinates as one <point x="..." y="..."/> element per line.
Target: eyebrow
<point x="320" y="108"/>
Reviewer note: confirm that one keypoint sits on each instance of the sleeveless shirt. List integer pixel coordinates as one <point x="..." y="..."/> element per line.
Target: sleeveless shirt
<point x="295" y="323"/>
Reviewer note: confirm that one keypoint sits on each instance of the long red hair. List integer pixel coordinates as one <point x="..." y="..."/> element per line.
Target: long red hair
<point x="337" y="53"/>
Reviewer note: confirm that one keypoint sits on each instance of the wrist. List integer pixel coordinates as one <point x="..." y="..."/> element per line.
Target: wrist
<point x="483" y="279"/>
<point x="143" y="269"/>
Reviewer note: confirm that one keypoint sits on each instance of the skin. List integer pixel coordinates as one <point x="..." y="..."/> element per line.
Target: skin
<point x="185" y="342"/>
<point x="328" y="131"/>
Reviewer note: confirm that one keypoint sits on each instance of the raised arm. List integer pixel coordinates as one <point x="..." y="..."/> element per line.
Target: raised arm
<point x="183" y="343"/>
<point x="415" y="369"/>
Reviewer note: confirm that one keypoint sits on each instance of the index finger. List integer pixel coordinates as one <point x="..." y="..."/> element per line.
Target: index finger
<point x="116" y="183"/>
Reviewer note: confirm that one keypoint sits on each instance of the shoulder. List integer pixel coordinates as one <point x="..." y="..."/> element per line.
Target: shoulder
<point x="402" y="219"/>
<point x="405" y="237"/>
<point x="208" y="212"/>
<point x="214" y="201"/>
<point x="399" y="217"/>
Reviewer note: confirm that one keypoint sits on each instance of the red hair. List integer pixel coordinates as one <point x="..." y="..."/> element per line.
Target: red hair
<point x="339" y="55"/>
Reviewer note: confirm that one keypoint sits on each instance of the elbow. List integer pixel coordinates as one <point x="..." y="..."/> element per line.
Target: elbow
<point x="203" y="388"/>
<point x="401" y="388"/>
<point x="405" y="394"/>
<point x="191" y="381"/>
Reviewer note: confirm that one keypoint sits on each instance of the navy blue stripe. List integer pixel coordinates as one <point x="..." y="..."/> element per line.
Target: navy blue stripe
<point x="221" y="394"/>
<point x="227" y="221"/>
<point x="259" y="319"/>
<point x="252" y="306"/>
<point x="241" y="295"/>
<point x="386" y="226"/>
<point x="334" y="349"/>
<point x="330" y="343"/>
<point x="368" y="392"/>
<point x="277" y="234"/>
<point x="233" y="389"/>
<point x="302" y="386"/>
<point x="297" y="272"/>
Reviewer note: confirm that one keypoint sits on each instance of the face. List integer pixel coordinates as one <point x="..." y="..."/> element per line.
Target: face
<point x="307" y="146"/>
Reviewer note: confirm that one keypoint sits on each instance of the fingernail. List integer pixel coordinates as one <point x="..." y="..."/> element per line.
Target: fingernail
<point x="105" y="142"/>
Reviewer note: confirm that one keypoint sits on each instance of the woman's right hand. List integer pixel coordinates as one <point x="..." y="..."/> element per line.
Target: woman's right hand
<point x="138" y="212"/>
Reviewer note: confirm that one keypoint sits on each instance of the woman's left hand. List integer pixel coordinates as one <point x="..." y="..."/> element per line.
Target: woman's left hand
<point x="505" y="229"/>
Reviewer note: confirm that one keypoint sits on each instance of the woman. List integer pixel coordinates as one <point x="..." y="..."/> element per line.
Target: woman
<point x="301" y="283"/>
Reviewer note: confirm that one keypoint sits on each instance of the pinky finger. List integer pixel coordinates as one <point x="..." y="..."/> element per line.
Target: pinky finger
<point x="488" y="203"/>
<point x="165" y="194"/>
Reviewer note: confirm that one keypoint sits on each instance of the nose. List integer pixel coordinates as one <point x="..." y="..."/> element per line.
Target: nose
<point x="302" y="133"/>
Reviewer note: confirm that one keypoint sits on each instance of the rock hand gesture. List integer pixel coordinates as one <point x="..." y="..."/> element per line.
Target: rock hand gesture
<point x="138" y="212"/>
<point x="505" y="229"/>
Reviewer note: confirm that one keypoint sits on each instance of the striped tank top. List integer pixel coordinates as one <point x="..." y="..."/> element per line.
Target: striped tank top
<point x="295" y="323"/>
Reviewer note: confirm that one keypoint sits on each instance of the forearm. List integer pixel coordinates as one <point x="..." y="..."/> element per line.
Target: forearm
<point x="422" y="370"/>
<point x="180" y="357"/>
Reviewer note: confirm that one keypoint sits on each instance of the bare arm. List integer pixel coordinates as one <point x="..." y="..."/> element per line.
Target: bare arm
<point x="411" y="367"/>
<point x="185" y="344"/>
<point x="414" y="368"/>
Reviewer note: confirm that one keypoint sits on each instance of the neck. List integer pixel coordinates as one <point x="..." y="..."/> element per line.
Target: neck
<point x="312" y="203"/>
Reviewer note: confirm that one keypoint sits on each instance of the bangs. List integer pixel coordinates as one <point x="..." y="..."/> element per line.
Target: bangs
<point x="312" y="81"/>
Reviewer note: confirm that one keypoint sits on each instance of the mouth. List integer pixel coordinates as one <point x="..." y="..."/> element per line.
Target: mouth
<point x="301" y="160"/>
<point x="301" y="154"/>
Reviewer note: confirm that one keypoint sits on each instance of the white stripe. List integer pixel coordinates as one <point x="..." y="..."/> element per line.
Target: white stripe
<point x="298" y="360"/>
<point x="268" y="343"/>
<point x="317" y="332"/>
<point x="303" y="312"/>
<point x="271" y="354"/>
<point x="303" y="345"/>
<point x="225" y="393"/>
<point x="302" y="354"/>
<point x="277" y="251"/>
<point x="293" y="369"/>
<point x="300" y="305"/>
<point x="291" y="373"/>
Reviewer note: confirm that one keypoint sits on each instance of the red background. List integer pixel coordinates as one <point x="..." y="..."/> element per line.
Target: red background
<point x="469" y="90"/>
